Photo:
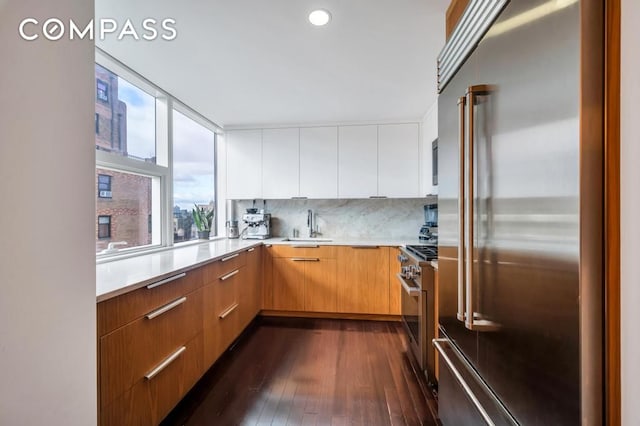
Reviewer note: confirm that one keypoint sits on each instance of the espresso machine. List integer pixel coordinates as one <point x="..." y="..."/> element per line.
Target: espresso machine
<point x="258" y="224"/>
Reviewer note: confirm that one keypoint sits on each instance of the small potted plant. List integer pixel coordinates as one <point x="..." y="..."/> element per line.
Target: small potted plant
<point x="203" y="218"/>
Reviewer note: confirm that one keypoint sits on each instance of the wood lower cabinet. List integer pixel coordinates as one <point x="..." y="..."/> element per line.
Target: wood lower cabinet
<point x="303" y="278"/>
<point x="149" y="363"/>
<point x="363" y="274"/>
<point x="332" y="279"/>
<point x="250" y="288"/>
<point x="155" y="343"/>
<point x="320" y="286"/>
<point x="150" y="400"/>
<point x="288" y="284"/>
<point x="395" y="288"/>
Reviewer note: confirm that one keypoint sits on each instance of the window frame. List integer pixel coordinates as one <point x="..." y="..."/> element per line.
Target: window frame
<point x="106" y="91"/>
<point x="110" y="196"/>
<point x="108" y="216"/>
<point x="163" y="169"/>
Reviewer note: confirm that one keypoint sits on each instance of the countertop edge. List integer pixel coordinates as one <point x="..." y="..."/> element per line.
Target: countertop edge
<point x="127" y="288"/>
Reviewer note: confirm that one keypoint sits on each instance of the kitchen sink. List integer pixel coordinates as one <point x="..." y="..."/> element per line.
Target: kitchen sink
<point x="308" y="240"/>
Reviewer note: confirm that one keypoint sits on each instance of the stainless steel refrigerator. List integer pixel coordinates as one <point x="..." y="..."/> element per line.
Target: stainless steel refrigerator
<point x="520" y="215"/>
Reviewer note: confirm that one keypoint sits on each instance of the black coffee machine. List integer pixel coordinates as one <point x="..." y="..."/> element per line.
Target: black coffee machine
<point x="429" y="231"/>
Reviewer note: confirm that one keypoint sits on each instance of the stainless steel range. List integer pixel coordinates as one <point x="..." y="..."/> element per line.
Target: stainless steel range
<point x="418" y="303"/>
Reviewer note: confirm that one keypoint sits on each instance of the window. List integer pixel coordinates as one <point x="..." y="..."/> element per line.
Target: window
<point x="104" y="227"/>
<point x="104" y="186"/>
<point x="102" y="91"/>
<point x="193" y="172"/>
<point x="130" y="123"/>
<point x="142" y="169"/>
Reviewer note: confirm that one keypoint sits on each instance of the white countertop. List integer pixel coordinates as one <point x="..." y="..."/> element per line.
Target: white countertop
<point x="385" y="242"/>
<point x="120" y="276"/>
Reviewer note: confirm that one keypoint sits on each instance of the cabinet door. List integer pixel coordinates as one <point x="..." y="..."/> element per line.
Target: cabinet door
<point x="288" y="284"/>
<point x="363" y="274"/>
<point x="399" y="160"/>
<point x="394" y="284"/>
<point x="319" y="162"/>
<point x="357" y="161"/>
<point x="250" y="290"/>
<point x="429" y="134"/>
<point x="280" y="163"/>
<point x="244" y="164"/>
<point x="320" y="287"/>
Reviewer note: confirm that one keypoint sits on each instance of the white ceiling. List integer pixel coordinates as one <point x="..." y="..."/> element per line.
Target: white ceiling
<point x="260" y="62"/>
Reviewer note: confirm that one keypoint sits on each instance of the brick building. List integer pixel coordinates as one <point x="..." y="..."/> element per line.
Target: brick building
<point x="123" y="206"/>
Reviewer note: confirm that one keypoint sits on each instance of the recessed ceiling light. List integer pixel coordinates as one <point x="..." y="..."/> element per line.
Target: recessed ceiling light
<point x="319" y="17"/>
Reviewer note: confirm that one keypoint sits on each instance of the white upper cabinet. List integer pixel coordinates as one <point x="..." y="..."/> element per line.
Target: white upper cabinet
<point x="244" y="164"/>
<point x="319" y="162"/>
<point x="429" y="135"/>
<point x="357" y="161"/>
<point x="280" y="163"/>
<point x="399" y="160"/>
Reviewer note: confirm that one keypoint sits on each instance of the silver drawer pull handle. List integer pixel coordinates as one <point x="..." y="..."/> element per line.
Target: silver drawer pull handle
<point x="365" y="247"/>
<point x="164" y="364"/>
<point x="229" y="275"/>
<point x="305" y="259"/>
<point x="166" y="308"/>
<point x="166" y="280"/>
<point x="228" y="311"/>
<point x="306" y="246"/>
<point x="251" y="249"/>
<point x="411" y="291"/>
<point x="224" y="259"/>
<point x="438" y="344"/>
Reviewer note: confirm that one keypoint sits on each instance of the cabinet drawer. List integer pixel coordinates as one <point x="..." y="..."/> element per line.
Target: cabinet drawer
<point x="130" y="352"/>
<point x="303" y="250"/>
<point x="213" y="271"/>
<point x="121" y="310"/>
<point x="150" y="400"/>
<point x="221" y="309"/>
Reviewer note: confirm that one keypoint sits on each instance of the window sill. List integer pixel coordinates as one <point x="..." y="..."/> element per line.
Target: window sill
<point x="134" y="252"/>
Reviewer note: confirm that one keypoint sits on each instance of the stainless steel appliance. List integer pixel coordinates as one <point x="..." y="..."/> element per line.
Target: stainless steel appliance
<point x="258" y="225"/>
<point x="429" y="231"/>
<point x="232" y="229"/>
<point x="231" y="224"/>
<point x="418" y="304"/>
<point x="520" y="215"/>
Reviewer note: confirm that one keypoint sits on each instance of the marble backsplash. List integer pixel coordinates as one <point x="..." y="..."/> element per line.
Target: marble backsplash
<point x="361" y="218"/>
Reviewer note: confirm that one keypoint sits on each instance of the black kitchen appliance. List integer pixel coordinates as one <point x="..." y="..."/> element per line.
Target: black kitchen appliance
<point x="427" y="232"/>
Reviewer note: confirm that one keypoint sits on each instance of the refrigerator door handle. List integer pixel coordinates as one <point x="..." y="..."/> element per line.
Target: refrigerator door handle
<point x="462" y="102"/>
<point x="473" y="320"/>
<point x="472" y="396"/>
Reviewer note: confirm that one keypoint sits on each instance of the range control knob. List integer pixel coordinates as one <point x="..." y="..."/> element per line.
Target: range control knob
<point x="402" y="258"/>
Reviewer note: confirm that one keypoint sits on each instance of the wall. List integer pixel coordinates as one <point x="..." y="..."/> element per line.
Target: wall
<point x="339" y="219"/>
<point x="47" y="262"/>
<point x="630" y="232"/>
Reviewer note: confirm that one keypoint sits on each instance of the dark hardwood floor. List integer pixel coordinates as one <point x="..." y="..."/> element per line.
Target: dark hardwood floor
<point x="310" y="372"/>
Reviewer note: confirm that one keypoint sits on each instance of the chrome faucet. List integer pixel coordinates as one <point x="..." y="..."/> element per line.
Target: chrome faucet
<point x="310" y="223"/>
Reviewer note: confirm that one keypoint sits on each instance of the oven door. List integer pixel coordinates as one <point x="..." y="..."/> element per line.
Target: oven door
<point x="412" y="312"/>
